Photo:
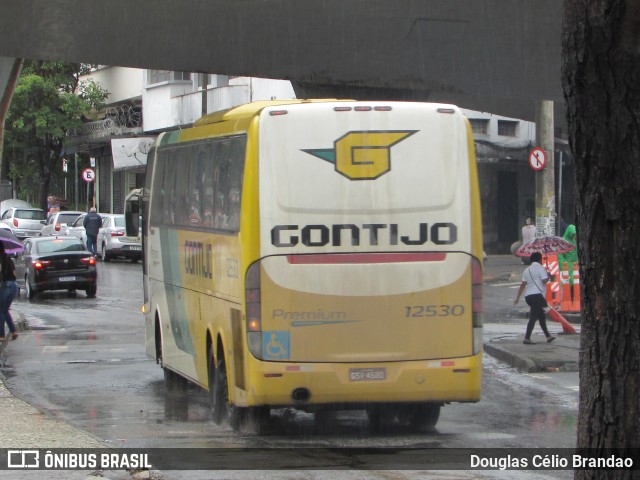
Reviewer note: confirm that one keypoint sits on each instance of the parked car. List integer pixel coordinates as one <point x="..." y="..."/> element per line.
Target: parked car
<point x="58" y="222"/>
<point x="13" y="202"/>
<point x="24" y="222"/>
<point x="113" y="240"/>
<point x="76" y="229"/>
<point x="56" y="263"/>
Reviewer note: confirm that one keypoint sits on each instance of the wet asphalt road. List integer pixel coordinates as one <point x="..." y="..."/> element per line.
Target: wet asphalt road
<point x="84" y="361"/>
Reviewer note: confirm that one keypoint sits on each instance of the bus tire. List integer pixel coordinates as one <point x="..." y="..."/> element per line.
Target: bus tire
<point x="217" y="407"/>
<point x="221" y="408"/>
<point x="422" y="417"/>
<point x="257" y="419"/>
<point x="326" y="420"/>
<point x="176" y="398"/>
<point x="174" y="384"/>
<point x="381" y="417"/>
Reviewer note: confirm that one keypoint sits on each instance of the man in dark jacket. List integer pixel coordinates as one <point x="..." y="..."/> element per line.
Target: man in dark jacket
<point x="92" y="223"/>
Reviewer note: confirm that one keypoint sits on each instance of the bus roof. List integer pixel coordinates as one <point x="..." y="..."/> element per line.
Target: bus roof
<point x="251" y="109"/>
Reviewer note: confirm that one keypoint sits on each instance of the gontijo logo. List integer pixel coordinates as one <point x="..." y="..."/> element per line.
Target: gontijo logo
<point x="362" y="155"/>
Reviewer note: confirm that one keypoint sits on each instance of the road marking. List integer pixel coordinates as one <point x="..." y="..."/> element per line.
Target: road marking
<point x="55" y="349"/>
<point x="510" y="284"/>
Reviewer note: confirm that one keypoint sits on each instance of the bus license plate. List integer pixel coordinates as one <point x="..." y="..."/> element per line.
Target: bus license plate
<point x="67" y="279"/>
<point x="367" y="374"/>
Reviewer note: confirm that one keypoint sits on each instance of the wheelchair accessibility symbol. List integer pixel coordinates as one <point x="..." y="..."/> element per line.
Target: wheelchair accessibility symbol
<point x="275" y="345"/>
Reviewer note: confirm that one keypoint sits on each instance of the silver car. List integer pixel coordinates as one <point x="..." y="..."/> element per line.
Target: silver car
<point x="58" y="222"/>
<point x="76" y="229"/>
<point x="113" y="241"/>
<point x="24" y="222"/>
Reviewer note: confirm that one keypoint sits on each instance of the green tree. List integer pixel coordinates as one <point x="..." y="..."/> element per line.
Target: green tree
<point x="5" y="101"/>
<point x="50" y="101"/>
<point x="601" y="80"/>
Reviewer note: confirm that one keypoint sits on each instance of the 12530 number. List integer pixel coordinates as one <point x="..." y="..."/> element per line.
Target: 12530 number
<point x="434" y="311"/>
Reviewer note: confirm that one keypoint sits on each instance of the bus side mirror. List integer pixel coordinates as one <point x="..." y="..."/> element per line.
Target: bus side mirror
<point x="132" y="222"/>
<point x="132" y="213"/>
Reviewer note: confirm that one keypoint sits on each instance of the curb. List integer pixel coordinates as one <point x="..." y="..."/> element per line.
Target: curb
<point x="521" y="363"/>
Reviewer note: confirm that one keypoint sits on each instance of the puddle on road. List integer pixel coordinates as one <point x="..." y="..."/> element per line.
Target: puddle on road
<point x="73" y="335"/>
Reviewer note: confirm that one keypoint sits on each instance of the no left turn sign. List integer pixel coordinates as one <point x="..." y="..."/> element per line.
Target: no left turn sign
<point x="88" y="175"/>
<point x="537" y="158"/>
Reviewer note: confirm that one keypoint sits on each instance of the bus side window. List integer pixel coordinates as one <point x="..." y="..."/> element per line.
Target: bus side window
<point x="158" y="191"/>
<point x="171" y="189"/>
<point x="219" y="213"/>
<point x="195" y="186"/>
<point x="229" y="167"/>
<point x="234" y="172"/>
<point x="180" y="204"/>
<point x="207" y="189"/>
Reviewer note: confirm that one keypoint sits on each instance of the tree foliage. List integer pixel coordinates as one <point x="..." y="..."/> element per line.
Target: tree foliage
<point x="49" y="102"/>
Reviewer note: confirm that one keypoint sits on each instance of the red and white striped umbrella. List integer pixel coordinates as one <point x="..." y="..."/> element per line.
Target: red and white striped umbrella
<point x="545" y="244"/>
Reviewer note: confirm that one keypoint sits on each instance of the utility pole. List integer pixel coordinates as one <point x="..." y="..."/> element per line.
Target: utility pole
<point x="545" y="181"/>
<point x="75" y="203"/>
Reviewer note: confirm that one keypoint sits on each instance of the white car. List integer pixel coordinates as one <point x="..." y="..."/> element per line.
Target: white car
<point x="76" y="229"/>
<point x="113" y="240"/>
<point x="24" y="222"/>
<point x="58" y="222"/>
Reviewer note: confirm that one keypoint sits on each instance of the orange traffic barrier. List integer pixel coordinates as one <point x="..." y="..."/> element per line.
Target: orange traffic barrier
<point x="550" y="262"/>
<point x="575" y="304"/>
<point x="556" y="317"/>
<point x="565" y="305"/>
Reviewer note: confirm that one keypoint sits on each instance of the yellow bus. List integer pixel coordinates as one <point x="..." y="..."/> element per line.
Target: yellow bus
<point x="319" y="255"/>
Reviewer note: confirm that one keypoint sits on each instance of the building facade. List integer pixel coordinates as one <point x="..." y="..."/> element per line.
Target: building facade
<point x="144" y="103"/>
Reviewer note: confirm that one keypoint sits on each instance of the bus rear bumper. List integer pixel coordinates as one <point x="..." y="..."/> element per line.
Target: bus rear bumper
<point x="279" y="384"/>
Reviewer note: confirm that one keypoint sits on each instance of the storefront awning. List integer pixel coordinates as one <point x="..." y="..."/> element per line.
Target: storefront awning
<point x="130" y="152"/>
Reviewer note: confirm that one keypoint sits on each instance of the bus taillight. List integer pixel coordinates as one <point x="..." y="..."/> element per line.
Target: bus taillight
<point x="476" y="294"/>
<point x="253" y="306"/>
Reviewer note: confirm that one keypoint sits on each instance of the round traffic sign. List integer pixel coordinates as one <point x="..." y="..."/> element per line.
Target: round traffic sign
<point x="88" y="174"/>
<point x="537" y="158"/>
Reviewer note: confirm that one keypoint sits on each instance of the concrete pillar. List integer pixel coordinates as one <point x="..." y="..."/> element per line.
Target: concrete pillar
<point x="545" y="182"/>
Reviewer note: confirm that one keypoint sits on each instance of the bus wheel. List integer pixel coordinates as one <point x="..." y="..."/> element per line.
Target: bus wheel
<point x="422" y="416"/>
<point x="381" y="417"/>
<point x="174" y="383"/>
<point x="176" y="403"/>
<point x="216" y="392"/>
<point x="326" y="420"/>
<point x="257" y="419"/>
<point x="221" y="408"/>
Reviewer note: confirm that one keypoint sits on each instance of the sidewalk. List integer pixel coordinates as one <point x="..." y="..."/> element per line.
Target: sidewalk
<point x="25" y="427"/>
<point x="560" y="355"/>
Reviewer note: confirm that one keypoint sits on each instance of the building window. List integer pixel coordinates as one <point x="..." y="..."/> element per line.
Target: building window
<point x="479" y="126"/>
<point x="181" y="76"/>
<point x="507" y="128"/>
<point x="158" y="76"/>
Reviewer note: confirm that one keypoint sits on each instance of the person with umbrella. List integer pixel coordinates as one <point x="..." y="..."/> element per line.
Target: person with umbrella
<point x="533" y="284"/>
<point x="8" y="292"/>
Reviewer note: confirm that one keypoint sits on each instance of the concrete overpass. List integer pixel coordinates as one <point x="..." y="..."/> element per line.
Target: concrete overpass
<point x="499" y="56"/>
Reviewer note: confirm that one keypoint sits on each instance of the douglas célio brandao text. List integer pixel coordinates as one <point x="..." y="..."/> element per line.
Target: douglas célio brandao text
<point x="549" y="461"/>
